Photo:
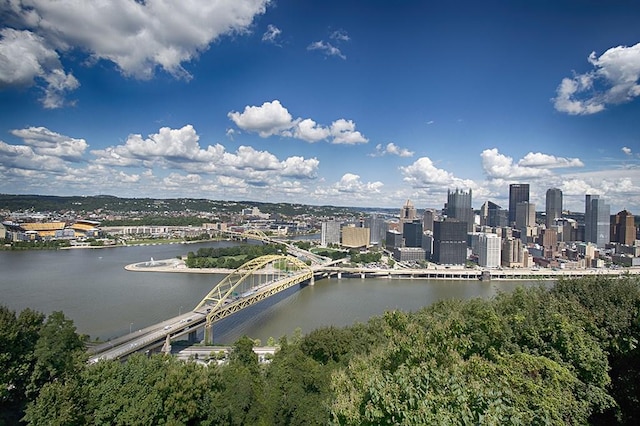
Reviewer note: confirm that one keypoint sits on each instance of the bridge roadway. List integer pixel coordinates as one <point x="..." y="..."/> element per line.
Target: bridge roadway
<point x="148" y="338"/>
<point x="159" y="334"/>
<point x="461" y="273"/>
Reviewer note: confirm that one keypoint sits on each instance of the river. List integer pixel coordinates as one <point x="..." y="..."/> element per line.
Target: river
<point x="92" y="288"/>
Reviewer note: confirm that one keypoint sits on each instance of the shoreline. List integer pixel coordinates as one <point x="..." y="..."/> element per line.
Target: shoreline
<point x="447" y="273"/>
<point x="172" y="265"/>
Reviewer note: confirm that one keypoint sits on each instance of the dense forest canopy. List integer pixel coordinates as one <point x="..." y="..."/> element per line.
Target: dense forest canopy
<point x="565" y="355"/>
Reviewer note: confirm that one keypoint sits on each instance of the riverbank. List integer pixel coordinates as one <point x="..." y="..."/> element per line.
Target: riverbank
<point x="437" y="272"/>
<point x="173" y="265"/>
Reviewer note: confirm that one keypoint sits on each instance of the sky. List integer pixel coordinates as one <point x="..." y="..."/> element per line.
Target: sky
<point x="346" y="103"/>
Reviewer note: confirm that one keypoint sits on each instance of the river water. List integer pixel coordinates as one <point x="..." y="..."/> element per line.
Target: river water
<point x="92" y="288"/>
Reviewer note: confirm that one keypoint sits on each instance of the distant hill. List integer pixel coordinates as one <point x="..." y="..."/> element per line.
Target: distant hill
<point x="109" y="203"/>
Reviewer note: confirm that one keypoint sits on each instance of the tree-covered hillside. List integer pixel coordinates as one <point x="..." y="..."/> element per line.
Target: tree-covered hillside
<point x="568" y="355"/>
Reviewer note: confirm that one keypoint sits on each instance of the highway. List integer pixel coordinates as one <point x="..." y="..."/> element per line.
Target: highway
<point x="149" y="337"/>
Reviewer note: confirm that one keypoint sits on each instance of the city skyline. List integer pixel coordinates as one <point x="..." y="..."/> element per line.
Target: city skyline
<point x="322" y="103"/>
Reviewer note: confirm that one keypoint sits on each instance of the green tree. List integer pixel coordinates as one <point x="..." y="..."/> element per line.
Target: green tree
<point x="18" y="338"/>
<point x="297" y="389"/>
<point x="59" y="352"/>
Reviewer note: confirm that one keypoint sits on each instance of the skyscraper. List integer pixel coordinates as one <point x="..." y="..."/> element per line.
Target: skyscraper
<point x="330" y="233"/>
<point x="378" y="228"/>
<point x="623" y="229"/>
<point x="493" y="215"/>
<point x="449" y="242"/>
<point x="596" y="220"/>
<point x="489" y="250"/>
<point x="412" y="234"/>
<point x="553" y="207"/>
<point x="459" y="207"/>
<point x="407" y="213"/>
<point x="518" y="192"/>
<point x="428" y="217"/>
<point x="525" y="219"/>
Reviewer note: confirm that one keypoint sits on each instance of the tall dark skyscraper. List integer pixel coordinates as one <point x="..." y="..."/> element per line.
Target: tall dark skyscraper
<point x="412" y="234"/>
<point x="459" y="207"/>
<point x="518" y="192"/>
<point x="553" y="206"/>
<point x="449" y="242"/>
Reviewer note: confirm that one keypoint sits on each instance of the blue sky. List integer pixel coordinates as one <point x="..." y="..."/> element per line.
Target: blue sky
<point x="353" y="103"/>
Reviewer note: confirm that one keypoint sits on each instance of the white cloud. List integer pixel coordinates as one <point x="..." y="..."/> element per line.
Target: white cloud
<point x="248" y="158"/>
<point x="22" y="157"/>
<point x="391" y="149"/>
<point x="499" y="166"/>
<point x="232" y="182"/>
<point x="45" y="142"/>
<point x="538" y="159"/>
<point x="272" y="118"/>
<point x="137" y="36"/>
<point x="25" y="60"/>
<point x="298" y="167"/>
<point x="626" y="150"/>
<point x="352" y="184"/>
<point x="614" y="80"/>
<point x="308" y="130"/>
<point x="344" y="132"/>
<point x="272" y="34"/>
<point x="423" y="173"/>
<point x="269" y="119"/>
<point x="177" y="180"/>
<point x="327" y="48"/>
<point x="179" y="149"/>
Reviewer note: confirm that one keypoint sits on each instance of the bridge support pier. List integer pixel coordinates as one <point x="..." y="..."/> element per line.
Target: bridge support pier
<point x="208" y="334"/>
<point x="166" y="348"/>
<point x="362" y="275"/>
<point x="193" y="336"/>
<point x="312" y="281"/>
<point x="339" y="275"/>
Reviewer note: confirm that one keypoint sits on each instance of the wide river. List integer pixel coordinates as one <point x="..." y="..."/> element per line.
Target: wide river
<point x="92" y="288"/>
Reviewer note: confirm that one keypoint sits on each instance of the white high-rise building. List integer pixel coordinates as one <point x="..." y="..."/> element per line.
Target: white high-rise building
<point x="489" y="250"/>
<point x="330" y="233"/>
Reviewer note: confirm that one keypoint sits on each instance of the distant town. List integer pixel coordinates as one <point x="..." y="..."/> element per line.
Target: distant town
<point x="515" y="236"/>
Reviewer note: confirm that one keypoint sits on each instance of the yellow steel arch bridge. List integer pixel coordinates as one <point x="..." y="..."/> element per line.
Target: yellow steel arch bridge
<point x="252" y="282"/>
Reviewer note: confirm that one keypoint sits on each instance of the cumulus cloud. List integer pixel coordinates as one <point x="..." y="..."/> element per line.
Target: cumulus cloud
<point x="538" y="159"/>
<point x="626" y="150"/>
<point x="272" y="118"/>
<point x="308" y="130"/>
<point x="15" y="158"/>
<point x="614" y="80"/>
<point x="351" y="183"/>
<point x="46" y="142"/>
<point x="27" y="60"/>
<point x="299" y="168"/>
<point x="500" y="166"/>
<point x="327" y="49"/>
<point x="391" y="149"/>
<point x="272" y="34"/>
<point x="180" y="149"/>
<point x="423" y="174"/>
<point x="137" y="36"/>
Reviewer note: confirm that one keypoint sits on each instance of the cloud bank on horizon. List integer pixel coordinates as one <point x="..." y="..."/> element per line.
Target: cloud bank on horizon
<point x="262" y="105"/>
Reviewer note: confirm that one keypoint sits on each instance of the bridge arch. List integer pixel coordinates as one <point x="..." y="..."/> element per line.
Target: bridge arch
<point x="255" y="280"/>
<point x="256" y="234"/>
